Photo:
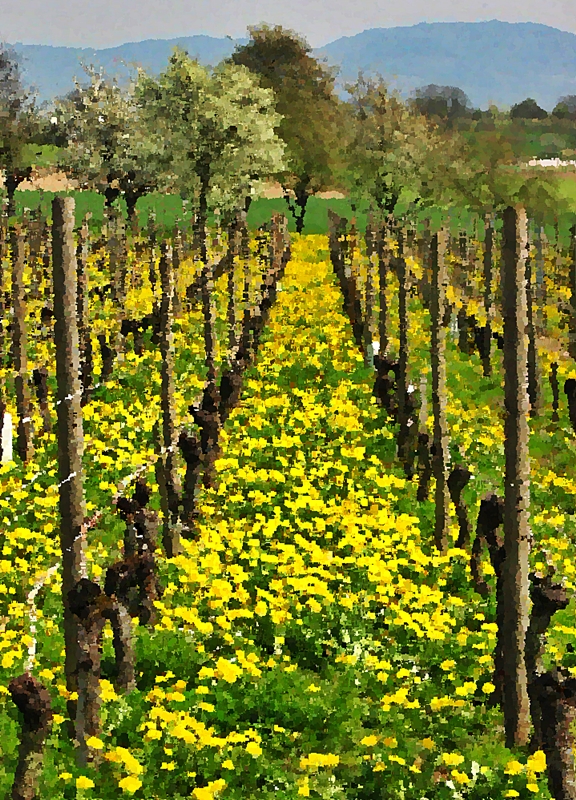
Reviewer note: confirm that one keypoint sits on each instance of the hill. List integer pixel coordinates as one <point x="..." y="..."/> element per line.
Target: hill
<point x="51" y="70"/>
<point x="493" y="62"/>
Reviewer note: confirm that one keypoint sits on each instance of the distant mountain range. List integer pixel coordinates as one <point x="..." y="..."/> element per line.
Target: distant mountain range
<point x="493" y="62"/>
<point x="51" y="70"/>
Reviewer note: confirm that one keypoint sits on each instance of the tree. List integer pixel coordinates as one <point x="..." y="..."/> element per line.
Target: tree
<point x="19" y="123"/>
<point x="565" y="108"/>
<point x="445" y="103"/>
<point x="396" y="155"/>
<point x="393" y="152"/>
<point x="213" y="137"/>
<point x="212" y="134"/>
<point x="528" y="109"/>
<point x="107" y="146"/>
<point x="305" y="99"/>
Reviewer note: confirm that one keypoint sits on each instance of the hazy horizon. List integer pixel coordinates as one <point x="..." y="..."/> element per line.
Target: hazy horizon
<point x="109" y="23"/>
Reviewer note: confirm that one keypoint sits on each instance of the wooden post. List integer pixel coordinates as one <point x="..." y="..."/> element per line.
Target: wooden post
<point x="370" y="293"/>
<point x="70" y="431"/>
<point x="572" y="284"/>
<point x="383" y="258"/>
<point x="533" y="387"/>
<point x="402" y="382"/>
<point x="83" y="313"/>
<point x="167" y="461"/>
<point x="438" y="362"/>
<point x="515" y="621"/>
<point x="234" y="251"/>
<point x="488" y="298"/>
<point x="24" y="445"/>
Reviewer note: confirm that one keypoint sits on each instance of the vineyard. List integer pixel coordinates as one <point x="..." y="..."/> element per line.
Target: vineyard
<point x="287" y="503"/>
<point x="261" y="597"/>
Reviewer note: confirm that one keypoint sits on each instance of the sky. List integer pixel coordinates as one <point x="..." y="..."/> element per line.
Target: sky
<point x="107" y="23"/>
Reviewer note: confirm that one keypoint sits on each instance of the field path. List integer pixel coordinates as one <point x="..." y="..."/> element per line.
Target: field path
<point x="309" y="583"/>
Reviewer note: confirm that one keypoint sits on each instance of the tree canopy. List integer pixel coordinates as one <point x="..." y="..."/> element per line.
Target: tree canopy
<point x="395" y="154"/>
<point x="528" y="109"/>
<point x="565" y="108"/>
<point x="446" y="103"/>
<point x="211" y="134"/>
<point x="19" y="121"/>
<point x="307" y="103"/>
<point x="105" y="139"/>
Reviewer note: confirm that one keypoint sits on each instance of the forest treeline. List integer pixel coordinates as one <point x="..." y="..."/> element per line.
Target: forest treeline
<point x="190" y="129"/>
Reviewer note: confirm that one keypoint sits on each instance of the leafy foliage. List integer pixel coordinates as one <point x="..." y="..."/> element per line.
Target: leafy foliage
<point x="305" y="99"/>
<point x="395" y="154"/>
<point x="19" y="121"/>
<point x="106" y="141"/>
<point x="212" y="134"/>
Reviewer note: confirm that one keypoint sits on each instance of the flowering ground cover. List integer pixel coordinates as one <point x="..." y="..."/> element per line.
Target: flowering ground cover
<point x="310" y="640"/>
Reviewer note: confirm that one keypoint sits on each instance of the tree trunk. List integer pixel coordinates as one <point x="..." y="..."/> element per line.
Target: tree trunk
<point x="88" y="722"/>
<point x="24" y="444"/>
<point x="47" y="269"/>
<point x="40" y="378"/>
<point x="113" y="247"/>
<point x="463" y="331"/>
<point x="440" y="453"/>
<point x="572" y="284"/>
<point x="369" y="296"/>
<point x="83" y="311"/>
<point x="490" y="517"/>
<point x="533" y="393"/>
<point x="556" y="696"/>
<point x="206" y="289"/>
<point x="402" y="381"/>
<point x="423" y="452"/>
<point x="554" y="385"/>
<point x="547" y="598"/>
<point x="176" y="259"/>
<point x="234" y="246"/>
<point x="191" y="450"/>
<point x="570" y="392"/>
<point x="35" y="229"/>
<point x="302" y="198"/>
<point x="33" y="701"/>
<point x="457" y="482"/>
<point x="463" y="247"/>
<point x="167" y="461"/>
<point x="121" y="623"/>
<point x="424" y="255"/>
<point x="70" y="432"/>
<point x="516" y="705"/>
<point x="152" y="235"/>
<point x="3" y="254"/>
<point x="383" y="258"/>
<point x="488" y="297"/>
<point x="131" y="196"/>
<point x="209" y="313"/>
<point x="540" y="283"/>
